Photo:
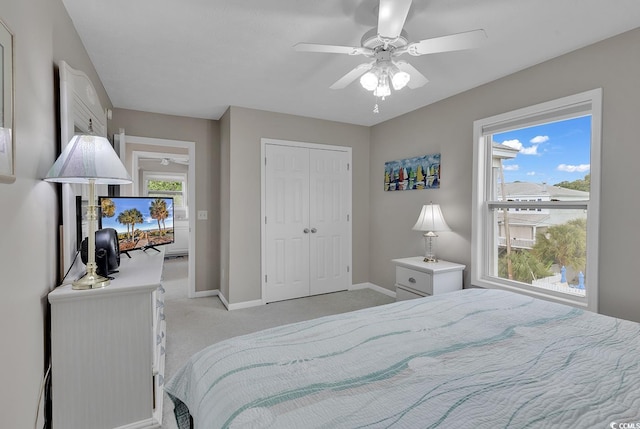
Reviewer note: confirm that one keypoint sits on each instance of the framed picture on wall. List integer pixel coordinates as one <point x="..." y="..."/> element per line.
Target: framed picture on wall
<point x="7" y="135"/>
<point x="422" y="172"/>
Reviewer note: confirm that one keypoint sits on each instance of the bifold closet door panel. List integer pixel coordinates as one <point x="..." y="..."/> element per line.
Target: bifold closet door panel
<point x="287" y="222"/>
<point x="328" y="221"/>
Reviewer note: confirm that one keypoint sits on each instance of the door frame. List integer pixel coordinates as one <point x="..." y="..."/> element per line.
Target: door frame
<point x="191" y="190"/>
<point x="263" y="172"/>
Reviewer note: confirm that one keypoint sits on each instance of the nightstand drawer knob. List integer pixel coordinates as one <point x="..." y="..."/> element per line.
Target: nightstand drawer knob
<point x="412" y="280"/>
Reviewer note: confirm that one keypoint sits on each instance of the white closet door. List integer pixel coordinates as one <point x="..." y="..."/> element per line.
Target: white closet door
<point x="287" y="218"/>
<point x="328" y="221"/>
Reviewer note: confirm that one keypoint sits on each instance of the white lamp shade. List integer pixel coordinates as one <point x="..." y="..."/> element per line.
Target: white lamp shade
<point x="431" y="219"/>
<point x="88" y="157"/>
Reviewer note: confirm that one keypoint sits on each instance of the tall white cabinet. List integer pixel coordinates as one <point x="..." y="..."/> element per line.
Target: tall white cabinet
<point x="307" y="225"/>
<point x="107" y="349"/>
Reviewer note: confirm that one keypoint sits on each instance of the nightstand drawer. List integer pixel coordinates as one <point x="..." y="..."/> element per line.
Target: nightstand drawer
<point x="413" y="279"/>
<point x="403" y="294"/>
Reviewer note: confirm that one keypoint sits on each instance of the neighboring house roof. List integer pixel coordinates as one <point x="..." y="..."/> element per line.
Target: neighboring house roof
<point x="502" y="151"/>
<point x="545" y="217"/>
<point x="531" y="190"/>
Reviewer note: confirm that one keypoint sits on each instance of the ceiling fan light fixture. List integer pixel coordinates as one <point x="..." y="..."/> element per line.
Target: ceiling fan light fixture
<point x="369" y="81"/>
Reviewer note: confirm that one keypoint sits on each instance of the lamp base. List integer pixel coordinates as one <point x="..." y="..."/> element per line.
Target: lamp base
<point x="90" y="281"/>
<point x="429" y="245"/>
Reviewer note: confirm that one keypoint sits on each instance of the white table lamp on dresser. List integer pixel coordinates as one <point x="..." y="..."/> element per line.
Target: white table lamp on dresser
<point x="89" y="159"/>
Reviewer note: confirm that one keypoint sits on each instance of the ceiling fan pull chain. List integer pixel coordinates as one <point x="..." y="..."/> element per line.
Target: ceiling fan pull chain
<point x="375" y="109"/>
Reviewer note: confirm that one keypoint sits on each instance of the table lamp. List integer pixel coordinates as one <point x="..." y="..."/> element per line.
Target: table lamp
<point x="89" y="159"/>
<point x="431" y="221"/>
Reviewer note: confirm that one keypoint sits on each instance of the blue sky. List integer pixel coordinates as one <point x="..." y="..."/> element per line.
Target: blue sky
<point x="142" y="204"/>
<point x="549" y="153"/>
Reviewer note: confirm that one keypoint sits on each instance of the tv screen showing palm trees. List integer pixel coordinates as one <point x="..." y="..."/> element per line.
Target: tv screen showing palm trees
<point x="141" y="222"/>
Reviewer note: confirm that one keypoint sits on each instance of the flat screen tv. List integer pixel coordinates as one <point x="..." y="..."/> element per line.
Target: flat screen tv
<point x="140" y="222"/>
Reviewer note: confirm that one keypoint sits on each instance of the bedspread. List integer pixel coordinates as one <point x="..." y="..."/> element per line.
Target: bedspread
<point x="470" y="359"/>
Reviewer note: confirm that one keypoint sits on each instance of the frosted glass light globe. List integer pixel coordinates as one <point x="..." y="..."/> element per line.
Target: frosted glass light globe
<point x="369" y="81"/>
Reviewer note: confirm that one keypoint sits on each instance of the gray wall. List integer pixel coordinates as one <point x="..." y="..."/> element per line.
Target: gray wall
<point x="205" y="134"/>
<point x="43" y="35"/>
<point x="246" y="128"/>
<point x="446" y="127"/>
<point x="225" y="199"/>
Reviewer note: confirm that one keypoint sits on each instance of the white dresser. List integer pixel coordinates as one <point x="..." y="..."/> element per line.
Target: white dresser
<point x="416" y="278"/>
<point x="107" y="349"/>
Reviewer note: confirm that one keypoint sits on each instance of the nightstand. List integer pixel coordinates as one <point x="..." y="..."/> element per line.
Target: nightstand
<point x="416" y="278"/>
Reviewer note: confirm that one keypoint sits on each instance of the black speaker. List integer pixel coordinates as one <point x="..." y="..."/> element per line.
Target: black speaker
<point x="107" y="251"/>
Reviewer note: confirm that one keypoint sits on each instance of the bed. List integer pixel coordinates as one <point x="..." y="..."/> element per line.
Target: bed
<point x="475" y="358"/>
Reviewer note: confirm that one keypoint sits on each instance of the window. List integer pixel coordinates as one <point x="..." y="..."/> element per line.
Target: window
<point x="167" y="185"/>
<point x="536" y="200"/>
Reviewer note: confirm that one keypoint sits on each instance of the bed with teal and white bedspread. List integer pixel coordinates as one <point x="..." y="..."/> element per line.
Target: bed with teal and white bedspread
<point x="470" y="359"/>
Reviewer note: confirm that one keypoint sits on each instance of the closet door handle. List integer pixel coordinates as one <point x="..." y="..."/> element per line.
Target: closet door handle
<point x="306" y="230"/>
<point x="313" y="230"/>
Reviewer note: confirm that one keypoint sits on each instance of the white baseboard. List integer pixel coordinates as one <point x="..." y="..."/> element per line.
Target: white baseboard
<point x="258" y="302"/>
<point x="223" y="299"/>
<point x="246" y="304"/>
<point x="240" y="305"/>
<point x="142" y="424"/>
<point x="204" y="293"/>
<point x="377" y="288"/>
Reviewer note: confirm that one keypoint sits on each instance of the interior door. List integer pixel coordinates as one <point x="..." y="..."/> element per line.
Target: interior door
<point x="286" y="222"/>
<point x="328" y="221"/>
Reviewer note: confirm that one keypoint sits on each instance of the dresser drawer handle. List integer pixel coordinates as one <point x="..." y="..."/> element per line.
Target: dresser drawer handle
<point x="412" y="280"/>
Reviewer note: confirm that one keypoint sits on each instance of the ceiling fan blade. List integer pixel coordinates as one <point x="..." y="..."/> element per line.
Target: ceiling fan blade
<point x="332" y="49"/>
<point x="453" y="42"/>
<point x="417" y="79"/>
<point x="351" y="76"/>
<point x="391" y="17"/>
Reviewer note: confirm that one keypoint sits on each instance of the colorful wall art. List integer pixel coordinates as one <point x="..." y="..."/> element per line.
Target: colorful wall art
<point x="422" y="172"/>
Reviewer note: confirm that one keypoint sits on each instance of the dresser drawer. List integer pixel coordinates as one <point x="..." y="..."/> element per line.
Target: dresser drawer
<point x="413" y="279"/>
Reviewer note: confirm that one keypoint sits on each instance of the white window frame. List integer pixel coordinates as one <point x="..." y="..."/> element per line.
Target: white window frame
<point x="168" y="177"/>
<point x="483" y="236"/>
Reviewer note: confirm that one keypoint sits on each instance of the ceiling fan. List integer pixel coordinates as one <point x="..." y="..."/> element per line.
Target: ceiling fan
<point x="166" y="160"/>
<point x="382" y="45"/>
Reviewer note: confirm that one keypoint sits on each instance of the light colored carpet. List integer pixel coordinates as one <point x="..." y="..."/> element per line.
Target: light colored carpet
<point x="193" y="324"/>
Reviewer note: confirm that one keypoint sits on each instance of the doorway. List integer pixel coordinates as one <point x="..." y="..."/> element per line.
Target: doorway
<point x="133" y="149"/>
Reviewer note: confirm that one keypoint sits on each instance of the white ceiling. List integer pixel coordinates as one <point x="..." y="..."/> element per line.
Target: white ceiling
<point x="197" y="57"/>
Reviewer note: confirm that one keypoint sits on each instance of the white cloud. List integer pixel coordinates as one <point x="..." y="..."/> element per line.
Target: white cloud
<point x="574" y="168"/>
<point x="516" y="144"/>
<point x="531" y="173"/>
<point x="539" y="139"/>
<point x="514" y="167"/>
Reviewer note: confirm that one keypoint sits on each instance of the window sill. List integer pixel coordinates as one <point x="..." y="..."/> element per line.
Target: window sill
<point x="532" y="291"/>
